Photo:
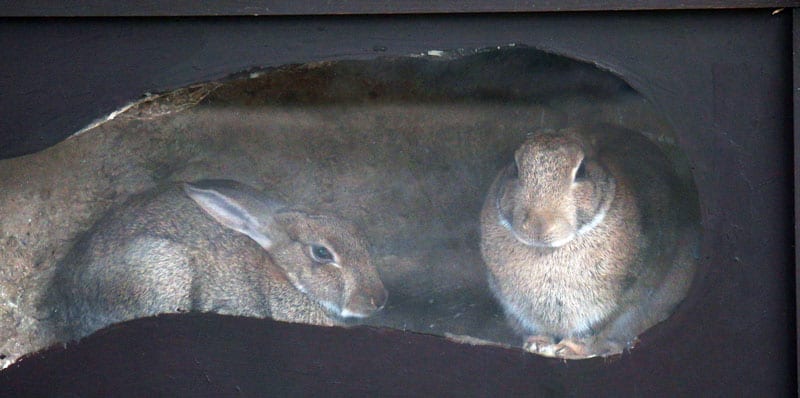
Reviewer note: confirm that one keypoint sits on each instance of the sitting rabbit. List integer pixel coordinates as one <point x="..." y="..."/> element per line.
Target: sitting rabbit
<point x="589" y="239"/>
<point x="218" y="246"/>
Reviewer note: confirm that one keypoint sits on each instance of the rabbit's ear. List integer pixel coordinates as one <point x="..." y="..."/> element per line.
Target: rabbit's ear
<point x="238" y="207"/>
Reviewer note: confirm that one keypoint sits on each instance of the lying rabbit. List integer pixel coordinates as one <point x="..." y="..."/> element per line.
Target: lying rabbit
<point x="218" y="246"/>
<point x="588" y="241"/>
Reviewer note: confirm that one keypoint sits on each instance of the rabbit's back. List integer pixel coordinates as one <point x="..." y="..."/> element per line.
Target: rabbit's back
<point x="159" y="253"/>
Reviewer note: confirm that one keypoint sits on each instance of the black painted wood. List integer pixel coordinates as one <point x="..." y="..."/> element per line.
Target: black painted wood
<point x="61" y="74"/>
<point x="722" y="78"/>
<point x="796" y="95"/>
<point x="40" y="8"/>
<point x="219" y="356"/>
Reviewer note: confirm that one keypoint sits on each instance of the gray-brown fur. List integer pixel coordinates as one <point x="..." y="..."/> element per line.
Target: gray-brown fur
<point x="574" y="292"/>
<point x="217" y="246"/>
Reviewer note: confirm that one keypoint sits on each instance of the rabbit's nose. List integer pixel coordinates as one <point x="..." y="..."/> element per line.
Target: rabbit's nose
<point x="365" y="303"/>
<point x="380" y="301"/>
<point x="533" y="224"/>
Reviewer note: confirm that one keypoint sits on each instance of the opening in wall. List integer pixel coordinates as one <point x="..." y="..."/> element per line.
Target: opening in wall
<point x="504" y="196"/>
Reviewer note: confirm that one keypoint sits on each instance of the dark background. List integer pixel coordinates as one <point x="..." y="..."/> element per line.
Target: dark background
<point x="99" y="8"/>
<point x="723" y="78"/>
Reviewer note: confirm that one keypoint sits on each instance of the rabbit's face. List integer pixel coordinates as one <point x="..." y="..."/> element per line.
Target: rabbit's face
<point x="327" y="259"/>
<point x="553" y="191"/>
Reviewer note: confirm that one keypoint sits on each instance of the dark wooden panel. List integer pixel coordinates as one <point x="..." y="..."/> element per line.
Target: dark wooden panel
<point x="59" y="75"/>
<point x="722" y="78"/>
<point x="796" y="91"/>
<point x="216" y="356"/>
<point x="312" y="7"/>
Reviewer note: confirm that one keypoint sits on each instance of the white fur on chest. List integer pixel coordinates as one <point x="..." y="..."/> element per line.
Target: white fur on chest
<point x="563" y="291"/>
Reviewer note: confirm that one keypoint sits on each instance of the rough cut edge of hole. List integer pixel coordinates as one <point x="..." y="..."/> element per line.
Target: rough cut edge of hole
<point x="157" y="105"/>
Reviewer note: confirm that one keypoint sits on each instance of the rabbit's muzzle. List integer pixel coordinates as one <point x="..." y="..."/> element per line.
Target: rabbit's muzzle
<point x="365" y="303"/>
<point x="543" y="229"/>
<point x="532" y="225"/>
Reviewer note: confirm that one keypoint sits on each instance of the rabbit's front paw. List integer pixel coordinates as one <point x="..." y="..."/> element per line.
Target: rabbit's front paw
<point x="565" y="349"/>
<point x="578" y="348"/>
<point x="540" y="344"/>
<point x="573" y="348"/>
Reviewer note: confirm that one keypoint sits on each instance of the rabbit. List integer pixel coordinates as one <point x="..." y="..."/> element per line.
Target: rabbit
<point x="589" y="238"/>
<point x="213" y="246"/>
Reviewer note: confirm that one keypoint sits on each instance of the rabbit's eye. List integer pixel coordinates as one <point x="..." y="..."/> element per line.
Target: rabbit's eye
<point x="580" y="174"/>
<point x="321" y="253"/>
